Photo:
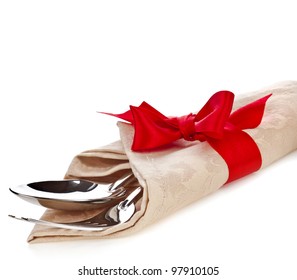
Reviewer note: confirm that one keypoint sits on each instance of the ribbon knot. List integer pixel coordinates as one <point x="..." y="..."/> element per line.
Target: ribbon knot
<point x="214" y="123"/>
<point x="186" y="125"/>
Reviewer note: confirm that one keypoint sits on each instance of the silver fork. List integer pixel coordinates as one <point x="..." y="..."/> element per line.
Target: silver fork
<point x="110" y="217"/>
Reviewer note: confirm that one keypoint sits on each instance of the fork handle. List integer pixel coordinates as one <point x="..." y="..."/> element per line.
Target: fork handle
<point x="58" y="225"/>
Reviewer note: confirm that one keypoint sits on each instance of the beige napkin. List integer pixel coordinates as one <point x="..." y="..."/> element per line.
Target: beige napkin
<point x="179" y="175"/>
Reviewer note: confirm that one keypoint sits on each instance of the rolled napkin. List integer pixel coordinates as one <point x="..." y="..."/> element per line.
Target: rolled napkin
<point x="177" y="174"/>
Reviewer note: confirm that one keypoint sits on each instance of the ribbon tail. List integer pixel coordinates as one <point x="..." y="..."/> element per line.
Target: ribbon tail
<point x="127" y="116"/>
<point x="250" y="115"/>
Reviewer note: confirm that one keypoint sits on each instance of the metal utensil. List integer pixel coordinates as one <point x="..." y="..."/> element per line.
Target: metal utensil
<point x="73" y="194"/>
<point x="110" y="217"/>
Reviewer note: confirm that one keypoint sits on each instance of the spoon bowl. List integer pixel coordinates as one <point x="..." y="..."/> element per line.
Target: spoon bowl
<point x="73" y="195"/>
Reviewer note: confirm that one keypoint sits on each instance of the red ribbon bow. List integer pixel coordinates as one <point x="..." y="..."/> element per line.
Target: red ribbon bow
<point x="214" y="123"/>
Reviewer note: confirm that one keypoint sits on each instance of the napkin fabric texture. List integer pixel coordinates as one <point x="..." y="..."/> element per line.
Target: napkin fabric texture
<point x="176" y="176"/>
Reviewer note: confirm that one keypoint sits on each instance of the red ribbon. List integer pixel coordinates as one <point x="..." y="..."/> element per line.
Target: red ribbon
<point x="214" y="123"/>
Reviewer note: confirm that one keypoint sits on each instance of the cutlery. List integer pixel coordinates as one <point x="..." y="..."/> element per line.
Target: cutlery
<point x="74" y="194"/>
<point x="110" y="217"/>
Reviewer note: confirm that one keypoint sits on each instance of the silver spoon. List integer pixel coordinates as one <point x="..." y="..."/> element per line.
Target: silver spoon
<point x="110" y="217"/>
<point x="73" y="195"/>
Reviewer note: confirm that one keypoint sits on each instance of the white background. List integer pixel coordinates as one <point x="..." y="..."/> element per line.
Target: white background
<point x="61" y="61"/>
